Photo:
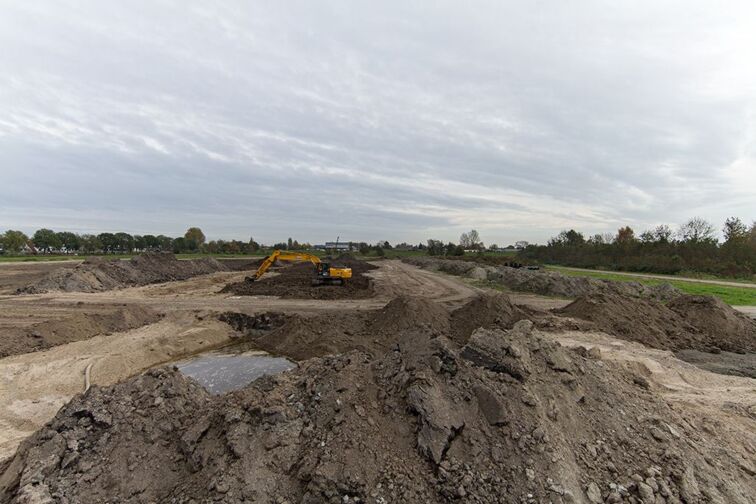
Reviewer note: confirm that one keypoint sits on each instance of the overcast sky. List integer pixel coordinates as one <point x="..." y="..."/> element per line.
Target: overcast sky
<point x="375" y="120"/>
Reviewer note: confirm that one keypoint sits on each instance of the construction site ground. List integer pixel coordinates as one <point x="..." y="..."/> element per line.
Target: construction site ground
<point x="180" y="320"/>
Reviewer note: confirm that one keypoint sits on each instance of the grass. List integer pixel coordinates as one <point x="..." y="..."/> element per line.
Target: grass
<point x="738" y="296"/>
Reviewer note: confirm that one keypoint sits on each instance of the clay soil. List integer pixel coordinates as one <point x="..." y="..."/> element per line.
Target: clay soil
<point x="294" y="281"/>
<point x="426" y="390"/>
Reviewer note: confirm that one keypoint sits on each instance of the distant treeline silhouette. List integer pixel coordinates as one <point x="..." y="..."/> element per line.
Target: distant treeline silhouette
<point x="693" y="247"/>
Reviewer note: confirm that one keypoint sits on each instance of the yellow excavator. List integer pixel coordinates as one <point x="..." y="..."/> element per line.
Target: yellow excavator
<point x="325" y="274"/>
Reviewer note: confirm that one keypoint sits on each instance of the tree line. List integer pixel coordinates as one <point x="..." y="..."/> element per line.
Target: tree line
<point x="692" y="247"/>
<point x="47" y="241"/>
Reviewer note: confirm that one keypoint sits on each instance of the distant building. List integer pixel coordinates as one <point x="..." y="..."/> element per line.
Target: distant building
<point x="337" y="246"/>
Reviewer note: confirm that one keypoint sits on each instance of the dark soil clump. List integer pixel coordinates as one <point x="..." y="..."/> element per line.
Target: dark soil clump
<point x="294" y="281"/>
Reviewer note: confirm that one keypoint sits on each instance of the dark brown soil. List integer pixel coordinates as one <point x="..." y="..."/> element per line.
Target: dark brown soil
<point x="511" y="417"/>
<point x="96" y="320"/>
<point x="294" y="281"/>
<point x="687" y="323"/>
<point x="100" y="274"/>
<point x="485" y="310"/>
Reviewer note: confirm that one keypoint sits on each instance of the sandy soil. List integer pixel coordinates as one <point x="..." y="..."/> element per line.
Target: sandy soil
<point x="14" y="275"/>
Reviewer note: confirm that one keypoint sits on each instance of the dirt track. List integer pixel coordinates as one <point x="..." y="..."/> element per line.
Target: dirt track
<point x="33" y="386"/>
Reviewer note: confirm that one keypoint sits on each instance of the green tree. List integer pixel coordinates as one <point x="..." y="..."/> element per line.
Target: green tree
<point x="151" y="242"/>
<point x="735" y="231"/>
<point x="90" y="243"/>
<point x="194" y="238"/>
<point x="124" y="242"/>
<point x="108" y="242"/>
<point x="69" y="240"/>
<point x="179" y="245"/>
<point x="46" y="240"/>
<point x="14" y="241"/>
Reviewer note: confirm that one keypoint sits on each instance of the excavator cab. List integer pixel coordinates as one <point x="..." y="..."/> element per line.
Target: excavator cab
<point x="326" y="275"/>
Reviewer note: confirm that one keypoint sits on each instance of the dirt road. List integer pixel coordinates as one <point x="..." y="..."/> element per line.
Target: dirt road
<point x="667" y="277"/>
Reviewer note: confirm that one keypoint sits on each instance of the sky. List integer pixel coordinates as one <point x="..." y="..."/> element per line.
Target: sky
<point x="393" y="120"/>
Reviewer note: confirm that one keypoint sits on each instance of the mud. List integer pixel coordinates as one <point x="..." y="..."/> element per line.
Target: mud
<point x="726" y="363"/>
<point x="294" y="281"/>
<point x="83" y="323"/>
<point x="99" y="274"/>
<point x="687" y="323"/>
<point x="509" y="417"/>
<point x="546" y="283"/>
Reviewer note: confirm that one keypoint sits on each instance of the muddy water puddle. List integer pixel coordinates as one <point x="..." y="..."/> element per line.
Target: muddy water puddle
<point x="232" y="368"/>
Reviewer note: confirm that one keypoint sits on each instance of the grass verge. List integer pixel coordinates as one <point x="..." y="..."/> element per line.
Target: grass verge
<point x="737" y="296"/>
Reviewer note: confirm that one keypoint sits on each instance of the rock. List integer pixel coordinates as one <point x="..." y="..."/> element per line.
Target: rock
<point x="491" y="406"/>
<point x="593" y="492"/>
<point x="439" y="420"/>
<point x="645" y="492"/>
<point x="501" y="352"/>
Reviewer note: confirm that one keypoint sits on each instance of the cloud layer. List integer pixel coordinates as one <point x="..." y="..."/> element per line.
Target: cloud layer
<point x="370" y="121"/>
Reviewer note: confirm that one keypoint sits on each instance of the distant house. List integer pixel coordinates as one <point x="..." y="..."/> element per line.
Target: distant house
<point x="337" y="246"/>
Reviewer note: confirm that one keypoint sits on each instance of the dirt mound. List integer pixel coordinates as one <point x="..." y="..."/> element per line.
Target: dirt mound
<point x="727" y="328"/>
<point x="79" y="326"/>
<point x="692" y="323"/>
<point x="409" y="314"/>
<point x="294" y="281"/>
<point x="301" y="337"/>
<point x="511" y="417"/>
<point x="484" y="310"/>
<point x="546" y="283"/>
<point x="99" y="274"/>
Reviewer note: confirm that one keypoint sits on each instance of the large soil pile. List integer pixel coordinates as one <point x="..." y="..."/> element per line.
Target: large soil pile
<point x="99" y="274"/>
<point x="484" y="310"/>
<point x="79" y="326"/>
<point x="294" y="281"/>
<point x="547" y="283"/>
<point x="687" y="323"/>
<point x="509" y="418"/>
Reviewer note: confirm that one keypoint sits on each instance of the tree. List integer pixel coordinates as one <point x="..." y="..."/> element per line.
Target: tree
<point x="289" y="243"/>
<point x="124" y="242"/>
<point x="662" y="233"/>
<point x="521" y="244"/>
<point x="697" y="230"/>
<point x="90" y="243"/>
<point x="179" y="245"/>
<point x="108" y="242"/>
<point x="194" y="238"/>
<point x="435" y="247"/>
<point x="470" y="240"/>
<point x="139" y="243"/>
<point x="253" y="245"/>
<point x="14" y="241"/>
<point x="166" y="243"/>
<point x="151" y="242"/>
<point x="625" y="235"/>
<point x="69" y="241"/>
<point x="735" y="231"/>
<point x="46" y="240"/>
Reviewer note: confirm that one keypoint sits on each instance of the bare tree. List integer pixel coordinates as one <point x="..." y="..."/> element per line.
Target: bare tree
<point x="697" y="230"/>
<point x="470" y="240"/>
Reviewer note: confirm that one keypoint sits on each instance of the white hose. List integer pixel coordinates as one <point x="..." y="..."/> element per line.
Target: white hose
<point x="86" y="376"/>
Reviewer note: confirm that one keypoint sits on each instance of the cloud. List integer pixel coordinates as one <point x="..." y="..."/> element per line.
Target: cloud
<point x="387" y="121"/>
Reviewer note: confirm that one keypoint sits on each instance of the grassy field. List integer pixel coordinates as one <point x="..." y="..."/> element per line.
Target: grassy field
<point x="738" y="296"/>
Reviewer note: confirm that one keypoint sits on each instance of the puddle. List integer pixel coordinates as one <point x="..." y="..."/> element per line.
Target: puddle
<point x="224" y="370"/>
